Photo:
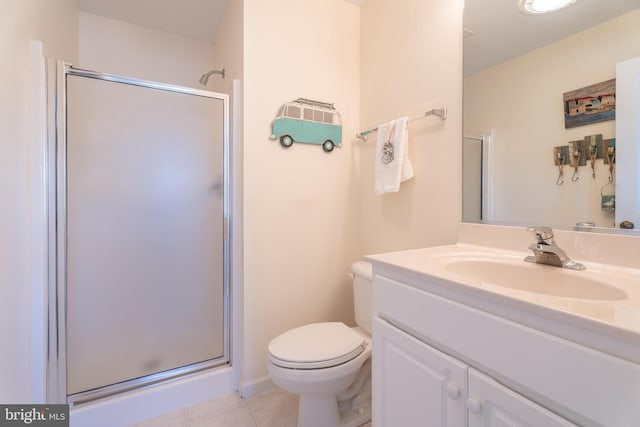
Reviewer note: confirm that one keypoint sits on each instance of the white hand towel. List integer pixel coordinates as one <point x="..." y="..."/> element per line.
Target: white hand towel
<point x="392" y="156"/>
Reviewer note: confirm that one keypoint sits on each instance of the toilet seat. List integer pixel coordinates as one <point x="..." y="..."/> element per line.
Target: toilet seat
<point x="316" y="346"/>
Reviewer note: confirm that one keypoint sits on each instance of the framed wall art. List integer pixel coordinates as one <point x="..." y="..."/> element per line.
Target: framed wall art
<point x="590" y="104"/>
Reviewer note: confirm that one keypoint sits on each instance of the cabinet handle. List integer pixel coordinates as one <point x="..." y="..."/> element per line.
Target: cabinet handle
<point x="474" y="406"/>
<point x="453" y="391"/>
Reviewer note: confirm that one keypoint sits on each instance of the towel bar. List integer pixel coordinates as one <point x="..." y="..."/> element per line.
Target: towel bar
<point x="439" y="112"/>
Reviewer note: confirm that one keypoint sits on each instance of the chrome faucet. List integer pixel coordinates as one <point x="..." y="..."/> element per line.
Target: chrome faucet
<point x="546" y="251"/>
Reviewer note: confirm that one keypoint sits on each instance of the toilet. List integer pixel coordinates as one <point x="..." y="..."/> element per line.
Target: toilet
<point x="329" y="364"/>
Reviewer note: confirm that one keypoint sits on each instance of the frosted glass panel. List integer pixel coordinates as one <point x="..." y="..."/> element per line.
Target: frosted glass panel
<point x="144" y="231"/>
<point x="472" y="180"/>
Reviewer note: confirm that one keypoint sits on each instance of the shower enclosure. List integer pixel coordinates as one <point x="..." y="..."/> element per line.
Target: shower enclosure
<point x="139" y="228"/>
<point x="475" y="178"/>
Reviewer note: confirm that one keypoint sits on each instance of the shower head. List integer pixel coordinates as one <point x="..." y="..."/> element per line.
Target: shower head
<point x="205" y="77"/>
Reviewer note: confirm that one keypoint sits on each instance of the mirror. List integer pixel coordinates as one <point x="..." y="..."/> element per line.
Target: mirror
<point x="517" y="68"/>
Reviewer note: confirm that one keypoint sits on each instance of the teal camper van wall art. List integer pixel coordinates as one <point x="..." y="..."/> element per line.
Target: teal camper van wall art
<point x="310" y="122"/>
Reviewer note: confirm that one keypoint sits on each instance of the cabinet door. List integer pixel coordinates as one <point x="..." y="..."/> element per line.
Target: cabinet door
<point x="413" y="383"/>
<point x="490" y="404"/>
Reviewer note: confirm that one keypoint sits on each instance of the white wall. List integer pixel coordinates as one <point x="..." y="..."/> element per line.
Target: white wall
<point x="228" y="55"/>
<point x="53" y="23"/>
<point x="228" y="49"/>
<point x="119" y="47"/>
<point x="521" y="101"/>
<point x="411" y="60"/>
<point x="309" y="214"/>
<point x="300" y="204"/>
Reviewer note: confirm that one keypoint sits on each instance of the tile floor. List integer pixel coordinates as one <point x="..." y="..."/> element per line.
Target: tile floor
<point x="276" y="408"/>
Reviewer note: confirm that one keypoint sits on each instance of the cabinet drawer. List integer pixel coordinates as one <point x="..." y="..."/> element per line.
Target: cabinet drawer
<point x="587" y="386"/>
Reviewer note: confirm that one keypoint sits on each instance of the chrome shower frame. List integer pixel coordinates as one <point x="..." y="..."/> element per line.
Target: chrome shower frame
<point x="56" y="187"/>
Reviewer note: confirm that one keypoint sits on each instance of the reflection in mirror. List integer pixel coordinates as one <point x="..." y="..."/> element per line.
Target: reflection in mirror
<point x="517" y="69"/>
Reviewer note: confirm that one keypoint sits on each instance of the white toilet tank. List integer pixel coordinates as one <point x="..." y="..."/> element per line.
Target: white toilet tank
<point x="362" y="277"/>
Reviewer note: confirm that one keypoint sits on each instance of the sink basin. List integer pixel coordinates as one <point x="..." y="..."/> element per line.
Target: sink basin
<point x="534" y="278"/>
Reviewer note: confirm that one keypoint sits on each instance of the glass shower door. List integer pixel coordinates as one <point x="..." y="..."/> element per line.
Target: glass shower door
<point x="473" y="179"/>
<point x="145" y="232"/>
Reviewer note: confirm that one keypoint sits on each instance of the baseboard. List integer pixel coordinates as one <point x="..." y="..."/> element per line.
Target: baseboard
<point x="256" y="386"/>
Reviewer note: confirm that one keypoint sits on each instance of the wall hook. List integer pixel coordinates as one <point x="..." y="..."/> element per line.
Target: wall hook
<point x="611" y="157"/>
<point x="593" y="155"/>
<point x="576" y="158"/>
<point x="560" y="162"/>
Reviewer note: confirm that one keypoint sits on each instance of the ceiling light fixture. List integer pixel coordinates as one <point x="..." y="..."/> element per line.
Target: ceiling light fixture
<point x="537" y="7"/>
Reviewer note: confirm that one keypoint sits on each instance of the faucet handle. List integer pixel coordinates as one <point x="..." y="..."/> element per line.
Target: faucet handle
<point x="543" y="235"/>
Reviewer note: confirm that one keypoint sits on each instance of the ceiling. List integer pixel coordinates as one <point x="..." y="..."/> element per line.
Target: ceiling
<point x="196" y="19"/>
<point x="502" y="31"/>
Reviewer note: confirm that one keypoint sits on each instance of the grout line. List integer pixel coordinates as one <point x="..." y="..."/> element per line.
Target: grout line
<point x="253" y="416"/>
<point x="185" y="417"/>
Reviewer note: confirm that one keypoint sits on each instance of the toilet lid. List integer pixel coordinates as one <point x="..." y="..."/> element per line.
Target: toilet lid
<point x="314" y="346"/>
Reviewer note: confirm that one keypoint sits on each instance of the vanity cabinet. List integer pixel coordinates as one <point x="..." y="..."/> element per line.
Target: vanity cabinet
<point x="440" y="361"/>
<point x="417" y="385"/>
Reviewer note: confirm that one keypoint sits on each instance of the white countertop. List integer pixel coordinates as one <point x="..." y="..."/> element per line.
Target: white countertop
<point x="611" y="325"/>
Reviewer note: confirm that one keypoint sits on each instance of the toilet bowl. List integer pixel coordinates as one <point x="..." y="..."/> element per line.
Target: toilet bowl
<point x="328" y="364"/>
